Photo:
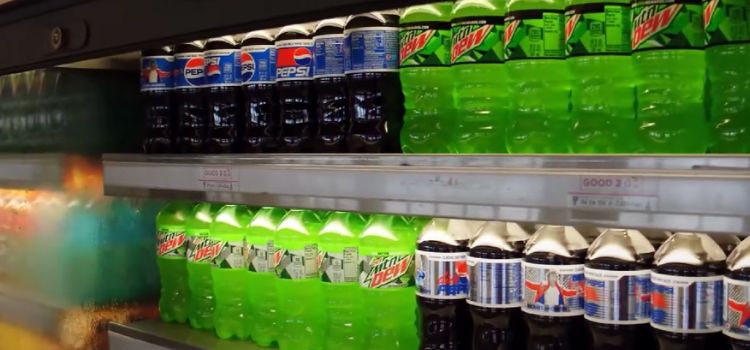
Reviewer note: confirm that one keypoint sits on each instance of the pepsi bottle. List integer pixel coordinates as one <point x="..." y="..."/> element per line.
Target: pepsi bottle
<point x="330" y="85"/>
<point x="157" y="87"/>
<point x="258" y="62"/>
<point x="296" y="89"/>
<point x="727" y="242"/>
<point x="223" y="81"/>
<point x="737" y="297"/>
<point x="190" y="101"/>
<point x="375" y="103"/>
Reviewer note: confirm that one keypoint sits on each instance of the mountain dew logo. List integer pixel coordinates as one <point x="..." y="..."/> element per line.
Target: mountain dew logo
<point x="709" y="8"/>
<point x="668" y="24"/>
<point x="171" y="243"/>
<point x="651" y="22"/>
<point x="204" y="249"/>
<point x="570" y="25"/>
<point x="387" y="271"/>
<point x="277" y="256"/>
<point x="465" y="40"/>
<point x="412" y="42"/>
<point x="510" y="30"/>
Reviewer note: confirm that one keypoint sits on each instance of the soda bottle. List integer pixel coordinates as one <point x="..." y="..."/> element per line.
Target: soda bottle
<point x="667" y="43"/>
<point x="258" y="61"/>
<point x="301" y="310"/>
<point x="727" y="242"/>
<point x="539" y="120"/>
<point x="481" y="88"/>
<point x="339" y="273"/>
<point x="425" y="44"/>
<point x="157" y="87"/>
<point x="171" y="250"/>
<point x="687" y="293"/>
<point x="264" y="322"/>
<point x="330" y="85"/>
<point x="229" y="271"/>
<point x="296" y="89"/>
<point x="200" y="255"/>
<point x="386" y="251"/>
<point x="618" y="291"/>
<point x="190" y="100"/>
<point x="553" y="289"/>
<point x="223" y="85"/>
<point x="597" y="44"/>
<point x="376" y="104"/>
<point x="737" y="297"/>
<point x="656" y="237"/>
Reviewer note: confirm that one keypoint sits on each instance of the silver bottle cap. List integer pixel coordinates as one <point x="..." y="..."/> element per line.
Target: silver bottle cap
<point x="338" y="22"/>
<point x="437" y="230"/>
<point x="620" y="244"/>
<point x="464" y="230"/>
<point x="740" y="257"/>
<point x="564" y="241"/>
<point x="726" y="242"/>
<point x="501" y="235"/>
<point x="689" y="248"/>
<point x="590" y="233"/>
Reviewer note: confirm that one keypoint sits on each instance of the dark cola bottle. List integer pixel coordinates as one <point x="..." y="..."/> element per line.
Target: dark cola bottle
<point x="330" y="85"/>
<point x="727" y="242"/>
<point x="737" y="301"/>
<point x="157" y="92"/>
<point x="223" y="84"/>
<point x="618" y="291"/>
<point x="190" y="99"/>
<point x="258" y="62"/>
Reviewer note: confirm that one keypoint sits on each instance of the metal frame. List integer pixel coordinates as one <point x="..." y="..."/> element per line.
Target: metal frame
<point x="38" y="171"/>
<point x="154" y="335"/>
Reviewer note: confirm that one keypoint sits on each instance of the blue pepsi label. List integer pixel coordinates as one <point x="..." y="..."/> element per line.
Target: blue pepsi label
<point x="189" y="70"/>
<point x="371" y="49"/>
<point x="495" y="283"/>
<point x="258" y="64"/>
<point x="686" y="304"/>
<point x="617" y="297"/>
<point x="737" y="309"/>
<point x="329" y="55"/>
<point x="441" y="275"/>
<point x="294" y="59"/>
<point x="157" y="73"/>
<point x="553" y="290"/>
<point x="223" y="67"/>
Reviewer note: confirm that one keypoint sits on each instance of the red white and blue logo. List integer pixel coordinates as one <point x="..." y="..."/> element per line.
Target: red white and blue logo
<point x="455" y="282"/>
<point x="223" y="67"/>
<point x="248" y="66"/>
<point x="258" y="64"/>
<point x="737" y="317"/>
<point x="189" y="70"/>
<point x="441" y="275"/>
<point x="295" y="62"/>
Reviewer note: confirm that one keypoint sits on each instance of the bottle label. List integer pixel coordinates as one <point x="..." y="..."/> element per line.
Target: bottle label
<point x="189" y="70"/>
<point x="299" y="263"/>
<point x="597" y="29"/>
<point x="203" y="249"/>
<point x="233" y="255"/>
<point x="261" y="257"/>
<point x="667" y="24"/>
<point x="223" y="67"/>
<point x="258" y="64"/>
<point x="171" y="243"/>
<point x="441" y="275"/>
<point x="425" y="44"/>
<point x="686" y="304"/>
<point x="553" y="290"/>
<point x="329" y="55"/>
<point x="339" y="267"/>
<point x="478" y="40"/>
<point x="495" y="282"/>
<point x="617" y="297"/>
<point x="371" y="49"/>
<point x="737" y="309"/>
<point x="534" y="34"/>
<point x="294" y="59"/>
<point x="726" y="21"/>
<point x="387" y="271"/>
<point x="156" y="73"/>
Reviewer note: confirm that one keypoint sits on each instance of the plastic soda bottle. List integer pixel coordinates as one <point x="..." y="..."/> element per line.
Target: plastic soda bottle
<point x="171" y="249"/>
<point x="229" y="271"/>
<point x="424" y="52"/>
<point x="339" y="273"/>
<point x="301" y="310"/>
<point x="386" y="250"/>
<point x="201" y="251"/>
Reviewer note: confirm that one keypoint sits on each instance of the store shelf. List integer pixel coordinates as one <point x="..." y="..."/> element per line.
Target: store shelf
<point x="155" y="335"/>
<point x="709" y="194"/>
<point x="32" y="171"/>
<point x="23" y="309"/>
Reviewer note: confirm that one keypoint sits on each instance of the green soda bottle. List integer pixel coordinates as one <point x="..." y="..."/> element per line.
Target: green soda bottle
<point x="229" y="271"/>
<point x="386" y="251"/>
<point x="171" y="249"/>
<point x="480" y="78"/>
<point x="597" y="44"/>
<point x="201" y="251"/>
<point x="339" y="273"/>
<point x="425" y="43"/>
<point x="539" y="78"/>
<point x="301" y="312"/>
<point x="264" y="323"/>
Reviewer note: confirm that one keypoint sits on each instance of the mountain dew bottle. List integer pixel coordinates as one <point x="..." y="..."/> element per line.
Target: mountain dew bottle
<point x="539" y="78"/>
<point x="727" y="24"/>
<point x="386" y="253"/>
<point x="171" y="249"/>
<point x="201" y="252"/>
<point x="597" y="43"/>
<point x="425" y="39"/>
<point x="338" y="244"/>
<point x="667" y="43"/>
<point x="229" y="271"/>
<point x="264" y="323"/>
<point x="301" y="311"/>
<point x="480" y="84"/>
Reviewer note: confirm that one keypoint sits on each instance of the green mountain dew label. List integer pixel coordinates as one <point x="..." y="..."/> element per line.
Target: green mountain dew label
<point x="667" y="24"/>
<point x="425" y="44"/>
<point x="477" y="40"/>
<point x="261" y="257"/>
<point x="726" y="21"/>
<point x="534" y="34"/>
<point x="597" y="29"/>
<point x="171" y="243"/>
<point x="339" y="267"/>
<point x="233" y="255"/>
<point x="387" y="271"/>
<point x="202" y="249"/>
<point x="299" y="263"/>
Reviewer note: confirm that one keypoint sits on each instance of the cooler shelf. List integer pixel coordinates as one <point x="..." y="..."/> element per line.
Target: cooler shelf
<point x="24" y="309"/>
<point x="32" y="171"/>
<point x="154" y="335"/>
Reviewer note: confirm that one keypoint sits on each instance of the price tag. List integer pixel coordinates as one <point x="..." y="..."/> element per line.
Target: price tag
<point x="614" y="192"/>
<point x="218" y="178"/>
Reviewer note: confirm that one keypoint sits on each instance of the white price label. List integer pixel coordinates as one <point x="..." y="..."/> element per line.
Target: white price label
<point x="614" y="192"/>
<point x="219" y="178"/>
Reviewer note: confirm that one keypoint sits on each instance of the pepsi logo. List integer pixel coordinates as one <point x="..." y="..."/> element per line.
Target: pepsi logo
<point x="302" y="56"/>
<point x="212" y="66"/>
<point x="194" y="71"/>
<point x="248" y="66"/>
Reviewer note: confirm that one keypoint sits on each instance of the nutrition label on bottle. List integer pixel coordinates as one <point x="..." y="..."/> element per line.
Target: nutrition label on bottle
<point x="298" y="263"/>
<point x="261" y="257"/>
<point x="617" y="297"/>
<point x="233" y="255"/>
<point x="534" y="34"/>
<point x="495" y="282"/>
<point x="339" y="267"/>
<point x="686" y="304"/>
<point x="371" y="49"/>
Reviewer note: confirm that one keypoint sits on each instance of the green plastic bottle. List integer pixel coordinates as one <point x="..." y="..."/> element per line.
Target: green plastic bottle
<point x="171" y="249"/>
<point x="425" y="44"/>
<point x="201" y="252"/>
<point x="539" y="77"/>
<point x="480" y="79"/>
<point x="229" y="272"/>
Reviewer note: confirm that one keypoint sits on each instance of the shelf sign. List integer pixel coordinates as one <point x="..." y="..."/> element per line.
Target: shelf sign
<point x="218" y="178"/>
<point x="614" y="192"/>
